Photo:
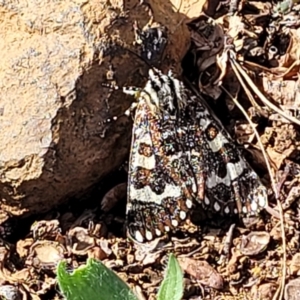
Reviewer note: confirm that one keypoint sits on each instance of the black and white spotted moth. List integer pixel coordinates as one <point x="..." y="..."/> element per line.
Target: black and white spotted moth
<point x="181" y="155"/>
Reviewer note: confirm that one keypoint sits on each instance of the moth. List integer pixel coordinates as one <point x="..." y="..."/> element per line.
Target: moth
<point x="181" y="155"/>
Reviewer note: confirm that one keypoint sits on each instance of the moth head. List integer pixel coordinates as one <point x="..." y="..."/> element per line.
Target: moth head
<point x="164" y="93"/>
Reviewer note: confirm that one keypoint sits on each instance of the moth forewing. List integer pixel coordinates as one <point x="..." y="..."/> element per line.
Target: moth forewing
<point x="161" y="184"/>
<point x="181" y="154"/>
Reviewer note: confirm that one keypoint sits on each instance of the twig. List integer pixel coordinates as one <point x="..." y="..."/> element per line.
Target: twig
<point x="228" y="240"/>
<point x="248" y="93"/>
<point x="280" y="289"/>
<point x="236" y="66"/>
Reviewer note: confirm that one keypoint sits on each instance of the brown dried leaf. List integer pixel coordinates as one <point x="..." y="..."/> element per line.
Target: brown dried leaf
<point x="207" y="39"/>
<point x="114" y="195"/>
<point x="23" y="246"/>
<point x="244" y="133"/>
<point x="295" y="264"/>
<point x="293" y="51"/>
<point x="97" y="253"/>
<point x="232" y="265"/>
<point x="292" y="290"/>
<point x="276" y="158"/>
<point x="276" y="232"/>
<point x="79" y="241"/>
<point x="45" y="229"/>
<point x="104" y="245"/>
<point x="263" y="291"/>
<point x="45" y="254"/>
<point x="149" y="252"/>
<point x="255" y="242"/>
<point x="283" y="92"/>
<point x="202" y="272"/>
<point x="97" y="230"/>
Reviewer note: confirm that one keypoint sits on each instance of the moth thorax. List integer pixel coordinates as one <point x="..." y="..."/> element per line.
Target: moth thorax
<point x="170" y="105"/>
<point x="152" y="103"/>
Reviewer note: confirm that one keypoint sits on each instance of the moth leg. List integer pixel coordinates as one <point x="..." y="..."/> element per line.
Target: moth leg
<point x="133" y="91"/>
<point x="113" y="196"/>
<point x="132" y="108"/>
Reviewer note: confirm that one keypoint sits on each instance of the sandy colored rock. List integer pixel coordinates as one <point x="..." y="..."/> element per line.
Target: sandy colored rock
<point x="55" y="57"/>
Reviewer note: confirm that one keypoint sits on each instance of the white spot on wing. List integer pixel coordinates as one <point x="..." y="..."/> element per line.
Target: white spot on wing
<point x="157" y="232"/>
<point x="189" y="203"/>
<point x="206" y="201"/>
<point x="149" y="235"/>
<point x="262" y="197"/>
<point x="175" y="223"/>
<point x="235" y="170"/>
<point x="217" y="207"/>
<point x="138" y="237"/>
<point x="182" y="215"/>
<point x="226" y="210"/>
<point x="254" y="206"/>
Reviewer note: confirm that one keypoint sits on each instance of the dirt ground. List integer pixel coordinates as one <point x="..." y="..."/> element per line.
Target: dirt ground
<point x="242" y="54"/>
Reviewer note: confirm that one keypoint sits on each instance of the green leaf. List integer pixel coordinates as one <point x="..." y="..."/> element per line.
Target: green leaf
<point x="93" y="281"/>
<point x="172" y="285"/>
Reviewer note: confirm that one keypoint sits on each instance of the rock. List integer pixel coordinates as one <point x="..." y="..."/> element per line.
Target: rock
<point x="55" y="57"/>
<point x="9" y="292"/>
<point x="292" y="289"/>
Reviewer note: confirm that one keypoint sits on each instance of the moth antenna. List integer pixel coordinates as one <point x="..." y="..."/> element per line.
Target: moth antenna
<point x="110" y="86"/>
<point x="129" y="90"/>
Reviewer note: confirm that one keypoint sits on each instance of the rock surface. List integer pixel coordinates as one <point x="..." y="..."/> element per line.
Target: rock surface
<point x="55" y="57"/>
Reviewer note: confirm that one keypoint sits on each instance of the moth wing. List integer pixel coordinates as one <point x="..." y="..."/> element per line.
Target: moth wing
<point x="227" y="185"/>
<point x="161" y="183"/>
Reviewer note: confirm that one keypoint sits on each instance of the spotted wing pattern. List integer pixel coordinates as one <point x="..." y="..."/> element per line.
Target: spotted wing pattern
<point x="227" y="185"/>
<point x="161" y="184"/>
<point x="180" y="155"/>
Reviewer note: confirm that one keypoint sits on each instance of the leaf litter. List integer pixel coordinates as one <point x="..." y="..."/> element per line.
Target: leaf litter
<point x="242" y="50"/>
